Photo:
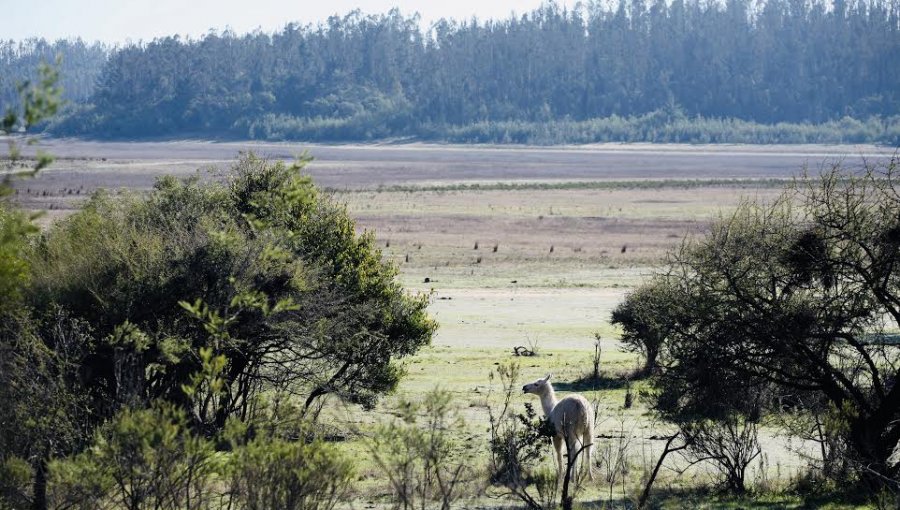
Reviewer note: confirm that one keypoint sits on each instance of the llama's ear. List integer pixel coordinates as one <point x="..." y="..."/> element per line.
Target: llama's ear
<point x="546" y="379"/>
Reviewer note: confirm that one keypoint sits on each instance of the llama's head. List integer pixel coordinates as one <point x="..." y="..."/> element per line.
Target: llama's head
<point x="538" y="387"/>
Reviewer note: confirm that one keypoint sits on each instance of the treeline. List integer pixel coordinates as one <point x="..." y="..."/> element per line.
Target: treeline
<point x="80" y="65"/>
<point x="665" y="70"/>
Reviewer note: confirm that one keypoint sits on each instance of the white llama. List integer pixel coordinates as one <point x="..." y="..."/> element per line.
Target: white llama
<point x="573" y="421"/>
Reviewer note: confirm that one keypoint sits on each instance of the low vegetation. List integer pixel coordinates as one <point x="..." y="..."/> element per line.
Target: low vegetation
<point x="658" y="126"/>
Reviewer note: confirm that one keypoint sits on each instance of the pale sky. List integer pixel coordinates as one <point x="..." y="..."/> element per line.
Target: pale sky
<point x="116" y="21"/>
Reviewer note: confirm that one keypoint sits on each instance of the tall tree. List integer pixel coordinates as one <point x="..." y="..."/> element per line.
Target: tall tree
<point x="800" y="300"/>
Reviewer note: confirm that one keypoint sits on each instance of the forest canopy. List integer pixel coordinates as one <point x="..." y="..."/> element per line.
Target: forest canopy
<point x="736" y="71"/>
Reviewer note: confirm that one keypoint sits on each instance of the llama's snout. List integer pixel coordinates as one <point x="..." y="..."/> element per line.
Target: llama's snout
<point x="525" y="389"/>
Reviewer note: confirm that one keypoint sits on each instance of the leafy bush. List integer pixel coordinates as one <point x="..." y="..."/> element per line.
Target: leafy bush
<point x="518" y="442"/>
<point x="142" y="459"/>
<point x="270" y="472"/>
<point x="15" y="481"/>
<point x="264" y="276"/>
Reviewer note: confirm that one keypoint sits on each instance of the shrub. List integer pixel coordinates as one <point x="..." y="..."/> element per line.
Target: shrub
<point x="263" y="275"/>
<point x="270" y="472"/>
<point x="142" y="459"/>
<point x="422" y="456"/>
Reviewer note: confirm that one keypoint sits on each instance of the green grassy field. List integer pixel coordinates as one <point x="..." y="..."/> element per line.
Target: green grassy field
<point x="487" y="301"/>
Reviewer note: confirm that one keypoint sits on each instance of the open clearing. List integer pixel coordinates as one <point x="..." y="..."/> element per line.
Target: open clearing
<point x="518" y="246"/>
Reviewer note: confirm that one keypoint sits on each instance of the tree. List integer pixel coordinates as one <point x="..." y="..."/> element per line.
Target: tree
<point x="259" y="284"/>
<point x="645" y="325"/>
<point x="797" y="297"/>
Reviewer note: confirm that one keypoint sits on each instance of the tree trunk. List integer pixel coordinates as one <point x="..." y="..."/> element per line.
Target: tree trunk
<point x="39" y="501"/>
<point x="872" y="452"/>
<point x="662" y="456"/>
<point x="651" y="362"/>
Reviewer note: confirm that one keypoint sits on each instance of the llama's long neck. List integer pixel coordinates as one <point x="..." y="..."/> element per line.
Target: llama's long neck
<point x="548" y="400"/>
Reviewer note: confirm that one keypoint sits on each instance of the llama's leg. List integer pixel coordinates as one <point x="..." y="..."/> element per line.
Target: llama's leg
<point x="588" y="439"/>
<point x="572" y="448"/>
<point x="557" y="445"/>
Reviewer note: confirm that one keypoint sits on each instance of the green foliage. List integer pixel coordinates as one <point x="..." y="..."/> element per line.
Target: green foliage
<point x="15" y="481"/>
<point x="14" y="269"/>
<point x="150" y="458"/>
<point x="518" y="445"/>
<point x="424" y="460"/>
<point x="518" y="442"/>
<point x="270" y="472"/>
<point x="43" y="407"/>
<point x="657" y="127"/>
<point x="37" y="102"/>
<point x="644" y="321"/>
<point x="201" y="291"/>
<point x="142" y="459"/>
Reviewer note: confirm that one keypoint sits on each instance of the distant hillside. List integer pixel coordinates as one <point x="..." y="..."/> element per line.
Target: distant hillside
<point x="685" y="70"/>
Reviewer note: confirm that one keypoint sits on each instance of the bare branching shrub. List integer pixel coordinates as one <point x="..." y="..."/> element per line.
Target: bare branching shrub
<point x="730" y="444"/>
<point x="613" y="457"/>
<point x="674" y="443"/>
<point x="813" y="421"/>
<point x="421" y="454"/>
<point x="629" y="395"/>
<point x="595" y="359"/>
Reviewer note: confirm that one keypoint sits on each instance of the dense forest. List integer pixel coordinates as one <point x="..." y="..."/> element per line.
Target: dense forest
<point x="80" y="64"/>
<point x="686" y="70"/>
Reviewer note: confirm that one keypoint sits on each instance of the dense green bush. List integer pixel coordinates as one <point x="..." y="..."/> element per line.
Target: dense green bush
<point x="151" y="459"/>
<point x="142" y="459"/>
<point x="264" y="271"/>
<point x="271" y="472"/>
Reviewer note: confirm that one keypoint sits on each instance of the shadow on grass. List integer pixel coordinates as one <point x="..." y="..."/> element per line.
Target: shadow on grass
<point x="591" y="384"/>
<point x="712" y="500"/>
